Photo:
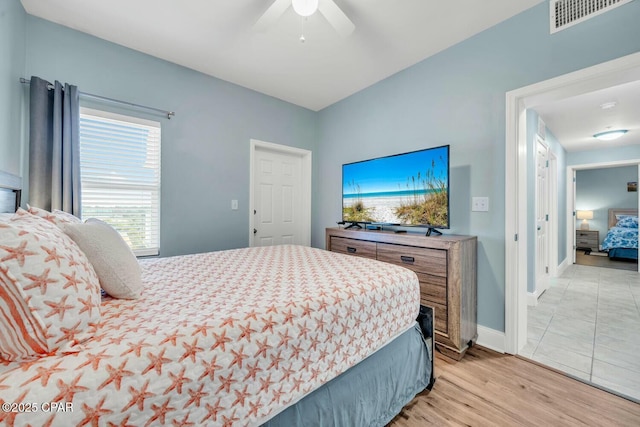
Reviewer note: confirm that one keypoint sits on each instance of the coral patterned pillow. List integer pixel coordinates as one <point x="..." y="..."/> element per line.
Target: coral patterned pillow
<point x="56" y="217"/>
<point x="49" y="288"/>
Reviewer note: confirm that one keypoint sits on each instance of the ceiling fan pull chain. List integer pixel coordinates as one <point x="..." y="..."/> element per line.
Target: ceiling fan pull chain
<point x="302" y="39"/>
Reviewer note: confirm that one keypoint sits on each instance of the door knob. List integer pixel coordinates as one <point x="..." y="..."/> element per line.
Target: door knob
<point x="255" y="231"/>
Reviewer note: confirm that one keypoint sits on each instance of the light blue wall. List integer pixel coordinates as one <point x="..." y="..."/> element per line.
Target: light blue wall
<point x="457" y="97"/>
<point x="205" y="148"/>
<point x="561" y="161"/>
<point x="12" y="63"/>
<point x="598" y="190"/>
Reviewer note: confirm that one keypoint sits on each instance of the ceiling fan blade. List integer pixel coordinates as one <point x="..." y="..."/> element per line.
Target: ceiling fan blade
<point x="336" y="17"/>
<point x="272" y="14"/>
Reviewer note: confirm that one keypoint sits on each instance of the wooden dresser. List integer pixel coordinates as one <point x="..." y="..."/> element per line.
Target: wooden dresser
<point x="445" y="266"/>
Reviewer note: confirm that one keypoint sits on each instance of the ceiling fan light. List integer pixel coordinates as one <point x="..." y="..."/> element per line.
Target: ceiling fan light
<point x="305" y="7"/>
<point x="610" y="135"/>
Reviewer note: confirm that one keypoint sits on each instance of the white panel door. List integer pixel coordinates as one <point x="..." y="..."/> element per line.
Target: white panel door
<point x="542" y="217"/>
<point x="575" y="224"/>
<point x="278" y="198"/>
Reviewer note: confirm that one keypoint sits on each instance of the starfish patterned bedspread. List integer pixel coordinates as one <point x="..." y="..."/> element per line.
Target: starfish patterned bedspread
<point x="221" y="338"/>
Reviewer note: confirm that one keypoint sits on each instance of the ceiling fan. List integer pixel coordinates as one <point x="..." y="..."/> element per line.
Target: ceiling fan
<point x="336" y="17"/>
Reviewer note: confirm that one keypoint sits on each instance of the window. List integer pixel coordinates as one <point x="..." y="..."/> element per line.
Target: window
<point x="120" y="176"/>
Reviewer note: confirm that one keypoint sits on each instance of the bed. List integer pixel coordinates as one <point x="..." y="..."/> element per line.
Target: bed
<point x="277" y="336"/>
<point x="621" y="241"/>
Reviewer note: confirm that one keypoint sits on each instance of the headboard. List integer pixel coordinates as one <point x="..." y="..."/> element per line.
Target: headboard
<point x="619" y="211"/>
<point x="10" y="192"/>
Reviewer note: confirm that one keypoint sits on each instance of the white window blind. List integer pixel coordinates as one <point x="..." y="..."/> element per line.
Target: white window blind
<point x="120" y="176"/>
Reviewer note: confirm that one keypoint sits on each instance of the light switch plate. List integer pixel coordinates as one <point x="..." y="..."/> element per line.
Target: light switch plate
<point x="234" y="205"/>
<point x="480" y="204"/>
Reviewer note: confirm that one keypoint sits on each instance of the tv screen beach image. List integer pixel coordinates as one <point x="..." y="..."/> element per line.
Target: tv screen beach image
<point x="406" y="189"/>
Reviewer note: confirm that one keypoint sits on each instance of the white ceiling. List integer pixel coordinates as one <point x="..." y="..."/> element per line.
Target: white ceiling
<point x="575" y="120"/>
<point x="216" y="37"/>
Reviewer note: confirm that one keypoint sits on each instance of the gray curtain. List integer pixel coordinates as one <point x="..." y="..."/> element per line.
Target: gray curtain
<point x="54" y="146"/>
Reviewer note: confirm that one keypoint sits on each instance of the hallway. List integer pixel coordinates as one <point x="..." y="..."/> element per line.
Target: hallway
<point x="587" y="325"/>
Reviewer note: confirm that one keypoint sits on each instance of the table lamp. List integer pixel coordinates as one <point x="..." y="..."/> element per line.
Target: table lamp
<point x="584" y="216"/>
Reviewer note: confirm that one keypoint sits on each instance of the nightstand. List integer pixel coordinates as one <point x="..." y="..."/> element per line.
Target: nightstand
<point x="587" y="239"/>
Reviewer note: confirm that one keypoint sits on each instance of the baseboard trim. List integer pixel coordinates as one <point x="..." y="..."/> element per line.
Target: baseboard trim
<point x="532" y="298"/>
<point x="563" y="266"/>
<point x="491" y="339"/>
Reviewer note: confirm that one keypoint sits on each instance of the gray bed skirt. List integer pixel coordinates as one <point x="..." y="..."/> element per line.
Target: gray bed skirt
<point x="371" y="393"/>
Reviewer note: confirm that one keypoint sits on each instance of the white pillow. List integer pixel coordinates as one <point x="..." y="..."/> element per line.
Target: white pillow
<point x="114" y="262"/>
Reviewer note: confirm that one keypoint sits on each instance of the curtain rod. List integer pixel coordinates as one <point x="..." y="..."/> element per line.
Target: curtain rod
<point x="169" y="114"/>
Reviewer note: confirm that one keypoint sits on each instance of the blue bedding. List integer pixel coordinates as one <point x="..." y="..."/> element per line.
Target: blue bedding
<point x="623" y="253"/>
<point x="619" y="237"/>
<point x="622" y="242"/>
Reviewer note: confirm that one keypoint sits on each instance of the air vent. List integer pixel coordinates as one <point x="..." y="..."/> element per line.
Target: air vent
<point x="565" y="13"/>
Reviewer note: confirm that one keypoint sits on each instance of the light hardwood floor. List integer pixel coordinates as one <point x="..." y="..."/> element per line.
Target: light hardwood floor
<point x="486" y="388"/>
<point x="606" y="262"/>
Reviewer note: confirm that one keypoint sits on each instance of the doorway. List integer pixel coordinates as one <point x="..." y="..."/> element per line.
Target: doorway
<point x="619" y="71"/>
<point x="280" y="195"/>
<point x="577" y="282"/>
<point x="600" y="190"/>
<point x="585" y="323"/>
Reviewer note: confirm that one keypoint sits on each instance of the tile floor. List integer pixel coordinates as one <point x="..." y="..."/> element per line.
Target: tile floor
<point x="587" y="324"/>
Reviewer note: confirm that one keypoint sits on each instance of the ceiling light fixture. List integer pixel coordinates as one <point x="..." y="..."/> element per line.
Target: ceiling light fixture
<point x="305" y="7"/>
<point x="610" y="135"/>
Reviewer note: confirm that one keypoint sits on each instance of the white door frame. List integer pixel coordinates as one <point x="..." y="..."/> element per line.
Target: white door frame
<point x="305" y="155"/>
<point x="607" y="74"/>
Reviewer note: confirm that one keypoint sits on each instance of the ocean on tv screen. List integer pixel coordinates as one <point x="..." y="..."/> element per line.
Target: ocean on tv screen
<point x="408" y="189"/>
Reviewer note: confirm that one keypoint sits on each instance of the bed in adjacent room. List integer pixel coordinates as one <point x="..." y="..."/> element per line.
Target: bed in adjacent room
<point x="282" y="335"/>
<point x="621" y="241"/>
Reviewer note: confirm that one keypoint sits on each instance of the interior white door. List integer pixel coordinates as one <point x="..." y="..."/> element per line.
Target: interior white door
<point x="553" y="223"/>
<point x="573" y="210"/>
<point x="278" y="211"/>
<point x="542" y="217"/>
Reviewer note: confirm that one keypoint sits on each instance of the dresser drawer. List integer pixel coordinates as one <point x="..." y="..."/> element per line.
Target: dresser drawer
<point x="587" y="242"/>
<point x="433" y="288"/>
<point x="420" y="260"/>
<point x="353" y="247"/>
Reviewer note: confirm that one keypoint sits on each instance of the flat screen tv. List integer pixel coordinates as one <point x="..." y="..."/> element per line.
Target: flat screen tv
<point x="409" y="189"/>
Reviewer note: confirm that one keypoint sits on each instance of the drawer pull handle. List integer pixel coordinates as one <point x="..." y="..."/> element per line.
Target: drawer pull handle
<point x="351" y="250"/>
<point x="407" y="259"/>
